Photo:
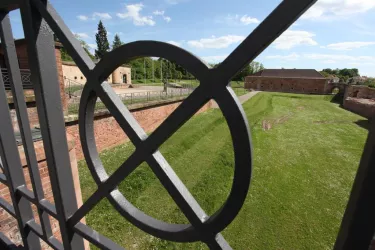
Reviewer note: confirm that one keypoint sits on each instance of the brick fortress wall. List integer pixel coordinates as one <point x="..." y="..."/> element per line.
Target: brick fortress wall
<point x="289" y="85"/>
<point x="108" y="132"/>
<point x="360" y="100"/>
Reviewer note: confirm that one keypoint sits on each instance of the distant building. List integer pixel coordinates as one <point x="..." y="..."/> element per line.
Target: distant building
<point x="308" y="81"/>
<point x="67" y="72"/>
<point x="73" y="75"/>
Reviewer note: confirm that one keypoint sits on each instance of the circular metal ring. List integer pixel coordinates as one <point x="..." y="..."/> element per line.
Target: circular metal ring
<point x="232" y="111"/>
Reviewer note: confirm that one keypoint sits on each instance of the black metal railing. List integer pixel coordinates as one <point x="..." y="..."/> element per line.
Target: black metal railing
<point x="39" y="20"/>
<point x="145" y="97"/>
<point x="25" y="78"/>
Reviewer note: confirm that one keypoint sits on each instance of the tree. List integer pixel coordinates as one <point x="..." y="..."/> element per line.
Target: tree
<point x="116" y="42"/>
<point x="66" y="57"/>
<point x="101" y="41"/>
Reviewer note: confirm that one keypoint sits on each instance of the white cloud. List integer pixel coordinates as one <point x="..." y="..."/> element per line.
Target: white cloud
<point x="238" y="20"/>
<point x="216" y="42"/>
<point x="291" y="57"/>
<point x="329" y="61"/>
<point x="248" y="20"/>
<point x="293" y="38"/>
<point x="349" y="45"/>
<point x="175" y="43"/>
<point x="214" y="59"/>
<point x="340" y="58"/>
<point x="104" y="16"/>
<point x="158" y="13"/>
<point x="161" y="13"/>
<point x="175" y="1"/>
<point x="92" y="45"/>
<point x="330" y="9"/>
<point x="167" y="19"/>
<point x="82" y="35"/>
<point x="83" y="17"/>
<point x="133" y="13"/>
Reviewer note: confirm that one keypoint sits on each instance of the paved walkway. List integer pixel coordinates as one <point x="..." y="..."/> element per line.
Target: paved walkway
<point x="242" y="98"/>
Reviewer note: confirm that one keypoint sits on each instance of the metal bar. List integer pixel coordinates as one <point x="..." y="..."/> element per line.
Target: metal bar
<point x="156" y="161"/>
<point x="63" y="33"/>
<point x="52" y="241"/>
<point x="96" y="238"/>
<point x="8" y="207"/>
<point x="9" y="49"/>
<point x="271" y="28"/>
<point x="189" y="107"/>
<point x="358" y="225"/>
<point x="3" y="178"/>
<point x="43" y="204"/>
<point x="13" y="168"/>
<point x="47" y="96"/>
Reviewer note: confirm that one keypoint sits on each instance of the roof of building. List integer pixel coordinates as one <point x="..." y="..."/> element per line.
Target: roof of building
<point x="289" y="73"/>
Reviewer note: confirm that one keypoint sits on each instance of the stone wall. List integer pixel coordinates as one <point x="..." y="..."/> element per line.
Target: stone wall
<point x="363" y="92"/>
<point x="360" y="100"/>
<point x="8" y="225"/>
<point x="289" y="85"/>
<point x="108" y="132"/>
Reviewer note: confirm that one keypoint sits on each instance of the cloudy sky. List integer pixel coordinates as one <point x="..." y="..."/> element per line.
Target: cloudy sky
<point x="332" y="34"/>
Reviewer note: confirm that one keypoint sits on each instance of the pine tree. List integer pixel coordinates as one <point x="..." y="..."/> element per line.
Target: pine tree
<point x="116" y="42"/>
<point x="101" y="41"/>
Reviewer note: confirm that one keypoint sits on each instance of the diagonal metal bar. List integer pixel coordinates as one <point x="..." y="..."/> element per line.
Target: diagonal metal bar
<point x="168" y="178"/>
<point x="107" y="186"/>
<point x="71" y="44"/>
<point x="183" y="113"/>
<point x="271" y="28"/>
<point x="121" y="113"/>
<point x="96" y="238"/>
<point x="42" y="61"/>
<point x="23" y="119"/>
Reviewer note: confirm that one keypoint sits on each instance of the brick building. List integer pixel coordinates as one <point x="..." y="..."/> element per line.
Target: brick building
<point x="306" y="81"/>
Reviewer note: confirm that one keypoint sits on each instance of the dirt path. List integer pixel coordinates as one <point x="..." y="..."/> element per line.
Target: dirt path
<point x="242" y="98"/>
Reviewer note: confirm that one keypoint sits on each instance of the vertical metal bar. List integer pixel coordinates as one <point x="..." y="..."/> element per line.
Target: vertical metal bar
<point x="23" y="119"/>
<point x="13" y="170"/>
<point x="41" y="49"/>
<point x="358" y="225"/>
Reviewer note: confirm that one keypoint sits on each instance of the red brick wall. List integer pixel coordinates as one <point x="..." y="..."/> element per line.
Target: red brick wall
<point x="108" y="133"/>
<point x="290" y="85"/>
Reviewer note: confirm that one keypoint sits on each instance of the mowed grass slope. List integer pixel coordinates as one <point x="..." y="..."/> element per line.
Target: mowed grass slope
<point x="304" y="166"/>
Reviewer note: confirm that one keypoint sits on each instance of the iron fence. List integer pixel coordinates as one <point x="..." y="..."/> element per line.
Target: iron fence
<point x="25" y="79"/>
<point x="38" y="19"/>
<point x="134" y="98"/>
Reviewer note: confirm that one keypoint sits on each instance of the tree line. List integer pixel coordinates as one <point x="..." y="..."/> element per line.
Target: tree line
<point x="148" y="68"/>
<point x="344" y="74"/>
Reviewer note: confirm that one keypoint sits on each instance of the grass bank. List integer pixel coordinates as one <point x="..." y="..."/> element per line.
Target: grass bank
<point x="306" y="152"/>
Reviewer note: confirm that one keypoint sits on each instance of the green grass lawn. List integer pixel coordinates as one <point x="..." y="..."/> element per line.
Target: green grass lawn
<point x="304" y="167"/>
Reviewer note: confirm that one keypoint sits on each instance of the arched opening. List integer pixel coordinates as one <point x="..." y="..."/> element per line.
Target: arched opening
<point x="335" y="90"/>
<point x="124" y="78"/>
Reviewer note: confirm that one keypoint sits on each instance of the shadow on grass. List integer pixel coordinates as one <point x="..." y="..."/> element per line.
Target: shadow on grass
<point x="338" y="98"/>
<point x="363" y="123"/>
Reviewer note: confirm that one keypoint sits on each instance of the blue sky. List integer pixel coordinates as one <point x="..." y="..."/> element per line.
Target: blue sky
<point x="333" y="34"/>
